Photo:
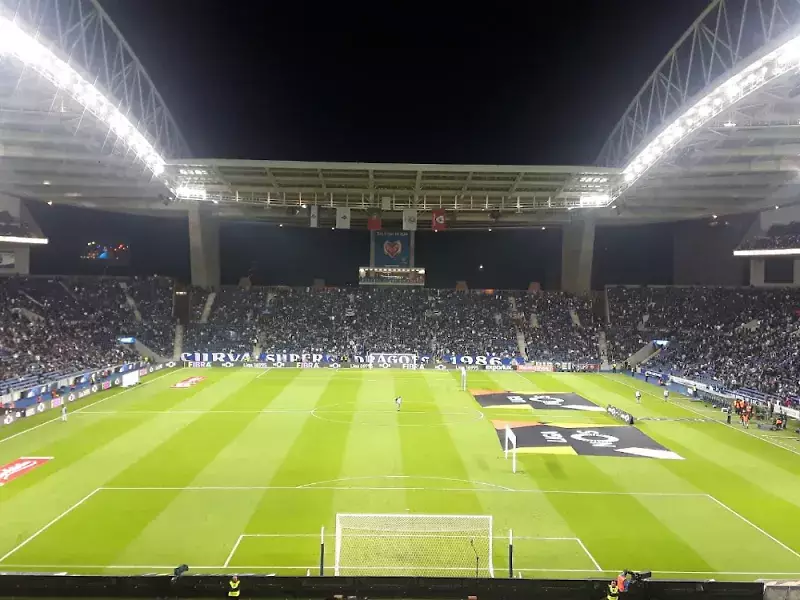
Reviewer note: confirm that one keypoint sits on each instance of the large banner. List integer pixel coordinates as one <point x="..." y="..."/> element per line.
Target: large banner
<point x="457" y="360"/>
<point x="391" y="249"/>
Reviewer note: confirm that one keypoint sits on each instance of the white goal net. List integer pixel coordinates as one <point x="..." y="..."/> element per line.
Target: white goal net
<point x="409" y="544"/>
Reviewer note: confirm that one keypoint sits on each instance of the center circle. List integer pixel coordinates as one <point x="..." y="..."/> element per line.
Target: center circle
<point x="384" y="413"/>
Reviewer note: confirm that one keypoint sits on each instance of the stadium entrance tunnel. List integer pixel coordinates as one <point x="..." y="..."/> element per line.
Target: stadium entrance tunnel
<point x="412" y="413"/>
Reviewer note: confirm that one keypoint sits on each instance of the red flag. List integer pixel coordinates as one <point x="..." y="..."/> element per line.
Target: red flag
<point x="374" y="222"/>
<point x="439" y="221"/>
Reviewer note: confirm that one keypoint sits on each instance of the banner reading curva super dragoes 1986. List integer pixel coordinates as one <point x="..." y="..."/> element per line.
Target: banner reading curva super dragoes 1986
<point x="371" y="358"/>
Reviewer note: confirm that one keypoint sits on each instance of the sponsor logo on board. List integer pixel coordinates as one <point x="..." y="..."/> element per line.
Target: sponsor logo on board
<point x="17" y="468"/>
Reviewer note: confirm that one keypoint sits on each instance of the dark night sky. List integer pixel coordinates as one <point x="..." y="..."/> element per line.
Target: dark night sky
<point x="511" y="83"/>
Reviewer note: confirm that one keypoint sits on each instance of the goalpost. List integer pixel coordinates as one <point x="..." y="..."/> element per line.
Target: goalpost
<point x="510" y="445"/>
<point x="412" y="544"/>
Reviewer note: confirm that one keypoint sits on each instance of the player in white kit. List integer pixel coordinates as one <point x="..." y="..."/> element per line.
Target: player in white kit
<point x="666" y="395"/>
<point x="398" y="401"/>
<point x="63" y="412"/>
<point x="638" y="397"/>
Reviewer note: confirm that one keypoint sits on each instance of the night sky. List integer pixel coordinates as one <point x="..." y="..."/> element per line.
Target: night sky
<point x="511" y="83"/>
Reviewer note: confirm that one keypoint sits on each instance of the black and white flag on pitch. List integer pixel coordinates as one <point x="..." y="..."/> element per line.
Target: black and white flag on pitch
<point x="342" y="218"/>
<point x="409" y="219"/>
<point x="315" y="216"/>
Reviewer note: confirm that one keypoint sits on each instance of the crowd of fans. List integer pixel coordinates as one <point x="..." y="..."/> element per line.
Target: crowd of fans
<point x="778" y="237"/>
<point x="732" y="337"/>
<point x="560" y="328"/>
<point x="54" y="326"/>
<point x="347" y="321"/>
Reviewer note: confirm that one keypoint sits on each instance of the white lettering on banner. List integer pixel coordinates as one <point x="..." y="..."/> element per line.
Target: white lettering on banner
<point x="29" y="412"/>
<point x="785" y="410"/>
<point x="595" y="438"/>
<point x="94" y="389"/>
<point x="40" y="407"/>
<point x="333" y="366"/>
<point x="441" y="367"/>
<point x="227" y="364"/>
<point x="553" y="437"/>
<point x="499" y="368"/>
<point x="198" y="364"/>
<point x="71" y="398"/>
<point x="392" y="359"/>
<point x="8" y="419"/>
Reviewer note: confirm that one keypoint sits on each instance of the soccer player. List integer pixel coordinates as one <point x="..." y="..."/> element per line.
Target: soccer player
<point x="638" y="397"/>
<point x="666" y="395"/>
<point x="64" y="412"/>
<point x="398" y="401"/>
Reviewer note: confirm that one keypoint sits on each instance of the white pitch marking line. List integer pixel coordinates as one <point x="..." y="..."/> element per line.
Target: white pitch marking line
<point x="233" y="551"/>
<point x="426" y="477"/>
<point x="697" y="412"/>
<point x="24" y="431"/>
<point x="589" y="554"/>
<point x="401" y="488"/>
<point x="269" y="411"/>
<point x="50" y="524"/>
<point x="754" y="526"/>
<point x="260" y="375"/>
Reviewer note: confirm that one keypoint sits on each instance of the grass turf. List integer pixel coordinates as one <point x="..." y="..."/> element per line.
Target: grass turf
<point x="240" y="473"/>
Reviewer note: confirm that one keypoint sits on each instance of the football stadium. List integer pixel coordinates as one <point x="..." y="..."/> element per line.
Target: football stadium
<point x="187" y="437"/>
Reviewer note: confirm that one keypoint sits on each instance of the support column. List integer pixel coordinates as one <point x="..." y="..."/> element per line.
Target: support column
<point x="577" y="254"/>
<point x="204" y="246"/>
<point x="757" y="272"/>
<point x="796" y="273"/>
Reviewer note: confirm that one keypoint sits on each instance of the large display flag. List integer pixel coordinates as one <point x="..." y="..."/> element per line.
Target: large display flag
<point x="439" y="221"/>
<point x="315" y="216"/>
<point x="342" y="218"/>
<point x="374" y="221"/>
<point x="409" y="219"/>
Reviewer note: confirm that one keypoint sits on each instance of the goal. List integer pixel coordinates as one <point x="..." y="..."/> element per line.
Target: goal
<point x="510" y="446"/>
<point x="413" y="545"/>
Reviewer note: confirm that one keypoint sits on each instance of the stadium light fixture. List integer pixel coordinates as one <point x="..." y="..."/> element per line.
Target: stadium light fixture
<point x="45" y="182"/>
<point x="490" y="228"/>
<point x="49" y="203"/>
<point x="16" y="42"/>
<point x="784" y="59"/>
<point x="713" y="216"/>
<point x="543" y="227"/>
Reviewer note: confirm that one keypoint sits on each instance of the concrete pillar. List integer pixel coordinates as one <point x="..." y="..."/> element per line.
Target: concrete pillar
<point x="757" y="272"/>
<point x="204" y="246"/>
<point x="577" y="254"/>
<point x="796" y="272"/>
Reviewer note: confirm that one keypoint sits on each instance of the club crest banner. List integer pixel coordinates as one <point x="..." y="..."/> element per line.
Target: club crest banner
<point x="391" y="249"/>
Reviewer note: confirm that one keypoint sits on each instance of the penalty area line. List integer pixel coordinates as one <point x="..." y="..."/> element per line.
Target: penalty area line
<point x="753" y="525"/>
<point x="46" y="527"/>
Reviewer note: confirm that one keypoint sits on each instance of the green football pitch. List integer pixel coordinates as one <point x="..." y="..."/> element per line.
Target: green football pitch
<point x="240" y="473"/>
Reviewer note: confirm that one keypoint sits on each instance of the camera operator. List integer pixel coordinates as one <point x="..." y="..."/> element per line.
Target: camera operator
<point x="623" y="581"/>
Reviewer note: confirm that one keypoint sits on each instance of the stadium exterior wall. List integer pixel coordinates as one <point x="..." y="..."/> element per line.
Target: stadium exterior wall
<point x="215" y="586"/>
<point x="703" y="252"/>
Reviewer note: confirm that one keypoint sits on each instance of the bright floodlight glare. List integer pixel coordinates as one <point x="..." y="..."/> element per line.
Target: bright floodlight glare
<point x="14" y="41"/>
<point x="595" y="200"/>
<point x="713" y="216"/>
<point x="761" y="71"/>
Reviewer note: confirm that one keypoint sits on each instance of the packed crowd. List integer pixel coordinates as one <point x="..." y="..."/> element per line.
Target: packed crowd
<point x="560" y="328"/>
<point x="347" y="321"/>
<point x="778" y="236"/>
<point x="734" y="337"/>
<point x="62" y="325"/>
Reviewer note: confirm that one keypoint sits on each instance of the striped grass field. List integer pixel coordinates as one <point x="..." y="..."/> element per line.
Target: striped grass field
<point x="241" y="472"/>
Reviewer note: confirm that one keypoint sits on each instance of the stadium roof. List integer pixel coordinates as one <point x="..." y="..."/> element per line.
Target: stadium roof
<point x="714" y="130"/>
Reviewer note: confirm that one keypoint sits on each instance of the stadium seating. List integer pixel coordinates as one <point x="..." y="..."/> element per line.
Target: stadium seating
<point x="52" y="326"/>
<point x="778" y="237"/>
<point x="731" y="337"/>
